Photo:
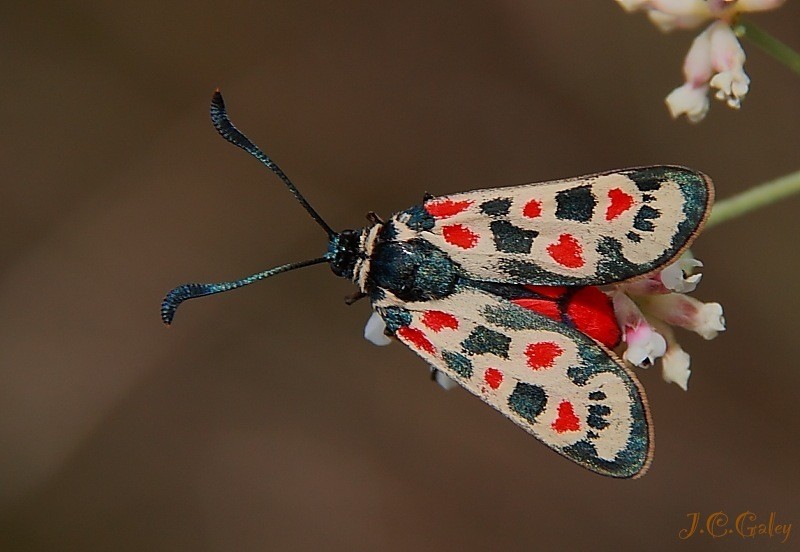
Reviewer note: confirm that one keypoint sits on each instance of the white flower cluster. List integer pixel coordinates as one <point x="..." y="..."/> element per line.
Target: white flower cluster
<point x="715" y="59"/>
<point x="647" y="309"/>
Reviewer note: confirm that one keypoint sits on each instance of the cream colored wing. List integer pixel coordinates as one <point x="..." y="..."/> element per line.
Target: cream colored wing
<point x="590" y="230"/>
<point x="551" y="380"/>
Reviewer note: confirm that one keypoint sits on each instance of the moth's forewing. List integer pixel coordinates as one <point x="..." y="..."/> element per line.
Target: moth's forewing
<point x="591" y="230"/>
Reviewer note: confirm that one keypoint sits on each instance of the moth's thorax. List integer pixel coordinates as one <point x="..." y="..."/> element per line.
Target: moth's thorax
<point x="374" y="259"/>
<point x="412" y="270"/>
<point x="350" y="251"/>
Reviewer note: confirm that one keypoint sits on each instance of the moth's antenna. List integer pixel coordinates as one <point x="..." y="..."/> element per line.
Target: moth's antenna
<point x="232" y="134"/>
<point x="189" y="291"/>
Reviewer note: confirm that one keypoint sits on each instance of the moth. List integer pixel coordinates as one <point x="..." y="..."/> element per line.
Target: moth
<point x="497" y="289"/>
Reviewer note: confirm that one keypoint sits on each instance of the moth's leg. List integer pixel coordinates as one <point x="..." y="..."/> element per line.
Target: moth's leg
<point x="373" y="218"/>
<point x="353" y="297"/>
<point x="442" y="379"/>
<point x="427" y="196"/>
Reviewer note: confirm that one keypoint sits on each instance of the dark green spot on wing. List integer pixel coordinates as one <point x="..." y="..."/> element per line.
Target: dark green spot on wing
<point x="528" y="401"/>
<point x="576" y="204"/>
<point x="496" y="207"/>
<point x="511" y="239"/>
<point x="458" y="363"/>
<point x="482" y="341"/>
<point x="643" y="219"/>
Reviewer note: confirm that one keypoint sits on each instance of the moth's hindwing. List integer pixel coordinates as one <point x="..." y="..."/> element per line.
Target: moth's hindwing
<point x="591" y="230"/>
<point x="557" y="384"/>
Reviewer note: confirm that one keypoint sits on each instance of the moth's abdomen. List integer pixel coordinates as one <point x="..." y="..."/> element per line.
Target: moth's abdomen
<point x="412" y="271"/>
<point x="587" y="309"/>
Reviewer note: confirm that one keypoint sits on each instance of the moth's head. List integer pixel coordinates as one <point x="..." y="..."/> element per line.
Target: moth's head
<point x="343" y="252"/>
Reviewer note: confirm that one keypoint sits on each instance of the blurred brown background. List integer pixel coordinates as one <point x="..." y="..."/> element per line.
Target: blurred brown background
<point x="262" y="420"/>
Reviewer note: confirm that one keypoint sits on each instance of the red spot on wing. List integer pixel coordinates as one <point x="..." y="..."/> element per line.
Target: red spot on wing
<point x="567" y="251"/>
<point x="493" y="377"/>
<point x="620" y="202"/>
<point x="532" y="209"/>
<point x="543" y="354"/>
<point x="544" y="307"/>
<point x="436" y="320"/>
<point x="554" y="292"/>
<point x="446" y="207"/>
<point x="567" y="420"/>
<point x="592" y="313"/>
<point x="460" y="236"/>
<point x="416" y="338"/>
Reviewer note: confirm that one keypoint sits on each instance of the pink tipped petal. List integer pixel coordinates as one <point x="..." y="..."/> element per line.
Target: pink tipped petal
<point x="688" y="100"/>
<point x="698" y="66"/>
<point x="674" y="308"/>
<point x="681" y="310"/>
<point x="727" y="59"/>
<point x="627" y="312"/>
<point x="645" y="345"/>
<point x="374" y="330"/>
<point x="691" y="99"/>
<point x="645" y="286"/>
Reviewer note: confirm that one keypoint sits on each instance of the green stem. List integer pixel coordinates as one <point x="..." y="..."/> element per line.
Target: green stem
<point x="755" y="198"/>
<point x="769" y="44"/>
